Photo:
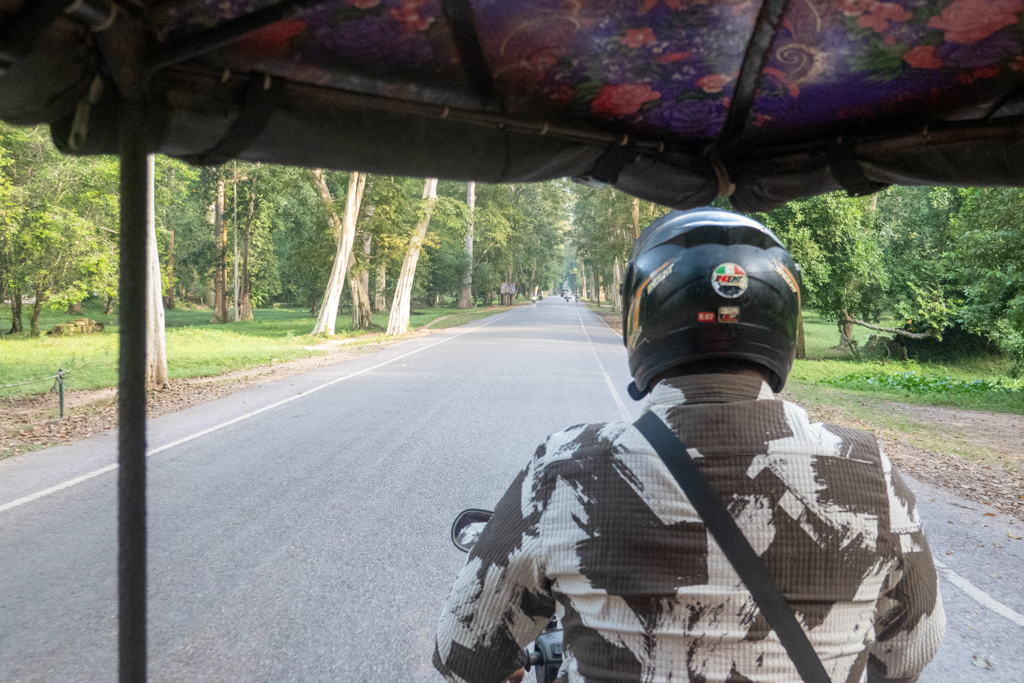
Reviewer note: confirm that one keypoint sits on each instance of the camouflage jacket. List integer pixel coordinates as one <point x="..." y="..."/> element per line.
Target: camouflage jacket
<point x="597" y="525"/>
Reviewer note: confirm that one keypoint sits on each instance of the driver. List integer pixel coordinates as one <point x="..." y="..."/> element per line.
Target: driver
<point x="595" y="525"/>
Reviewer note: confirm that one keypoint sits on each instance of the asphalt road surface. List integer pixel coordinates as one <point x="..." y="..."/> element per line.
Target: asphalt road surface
<point x="299" y="530"/>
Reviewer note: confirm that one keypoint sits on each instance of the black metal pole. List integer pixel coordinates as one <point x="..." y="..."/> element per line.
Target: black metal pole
<point x="131" y="399"/>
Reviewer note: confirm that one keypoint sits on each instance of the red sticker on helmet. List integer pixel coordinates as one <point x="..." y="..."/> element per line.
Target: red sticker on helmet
<point x="706" y="317"/>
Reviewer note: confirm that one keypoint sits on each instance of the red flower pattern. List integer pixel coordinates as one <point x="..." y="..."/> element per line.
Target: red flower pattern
<point x="623" y="99"/>
<point x="713" y="82"/>
<point x="882" y="14"/>
<point x="272" y="42"/>
<point x="669" y="57"/>
<point x="968" y="21"/>
<point x="638" y="37"/>
<point x="409" y="15"/>
<point x="922" y="57"/>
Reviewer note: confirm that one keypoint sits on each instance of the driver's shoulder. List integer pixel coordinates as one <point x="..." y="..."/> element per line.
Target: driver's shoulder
<point x="583" y="442"/>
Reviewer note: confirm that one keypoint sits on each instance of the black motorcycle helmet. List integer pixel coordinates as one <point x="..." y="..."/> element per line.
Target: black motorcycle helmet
<point x="708" y="284"/>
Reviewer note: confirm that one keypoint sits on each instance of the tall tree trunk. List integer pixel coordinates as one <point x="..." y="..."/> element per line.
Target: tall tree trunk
<point x="245" y="284"/>
<point x="364" y="274"/>
<point x="346" y="233"/>
<point x="169" y="295"/>
<point x="600" y="290"/>
<point x="636" y="218"/>
<point x="398" y="322"/>
<point x="466" y="294"/>
<point x="156" y="350"/>
<point x="583" y="274"/>
<point x="220" y="229"/>
<point x="616" y="283"/>
<point x="801" y="346"/>
<point x="533" y="278"/>
<point x="362" y="317"/>
<point x="37" y="308"/>
<point x="380" y="301"/>
<point x="16" y="324"/>
<point x="74" y="308"/>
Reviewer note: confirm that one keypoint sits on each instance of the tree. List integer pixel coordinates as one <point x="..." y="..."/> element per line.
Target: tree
<point x="466" y="293"/>
<point x="398" y="321"/>
<point x="220" y="232"/>
<point x="345" y="231"/>
<point x="986" y="256"/>
<point x="156" y="349"/>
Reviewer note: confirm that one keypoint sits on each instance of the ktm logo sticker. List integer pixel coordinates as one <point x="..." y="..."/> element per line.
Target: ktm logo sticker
<point x="729" y="280"/>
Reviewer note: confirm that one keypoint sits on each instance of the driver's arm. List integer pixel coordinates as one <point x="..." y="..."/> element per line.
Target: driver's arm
<point x="501" y="599"/>
<point x="909" y="620"/>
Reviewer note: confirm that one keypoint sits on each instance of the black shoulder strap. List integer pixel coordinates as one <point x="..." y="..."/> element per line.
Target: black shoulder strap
<point x="750" y="567"/>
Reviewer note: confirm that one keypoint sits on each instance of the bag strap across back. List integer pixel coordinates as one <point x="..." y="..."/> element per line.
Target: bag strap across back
<point x="750" y="567"/>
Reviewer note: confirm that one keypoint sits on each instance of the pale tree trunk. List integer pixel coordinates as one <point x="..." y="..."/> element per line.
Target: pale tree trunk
<point x="156" y="350"/>
<point x="616" y="282"/>
<point x="398" y="322"/>
<point x="169" y="295"/>
<point x="583" y="274"/>
<point x="636" y="218"/>
<point x="346" y="233"/>
<point x="466" y="295"/>
<point x="220" y="230"/>
<point x="380" y="302"/>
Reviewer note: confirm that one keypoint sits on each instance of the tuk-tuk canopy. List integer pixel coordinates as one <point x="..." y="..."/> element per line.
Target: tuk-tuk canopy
<point x="676" y="101"/>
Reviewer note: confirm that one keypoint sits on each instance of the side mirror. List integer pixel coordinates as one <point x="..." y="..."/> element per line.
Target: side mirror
<point x="467" y="527"/>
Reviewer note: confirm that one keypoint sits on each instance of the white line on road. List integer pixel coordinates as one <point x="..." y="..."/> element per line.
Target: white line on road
<point x="979" y="595"/>
<point x="153" y="451"/>
<point x="607" y="377"/>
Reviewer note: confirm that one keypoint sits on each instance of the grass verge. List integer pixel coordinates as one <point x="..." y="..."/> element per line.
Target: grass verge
<point x="195" y="346"/>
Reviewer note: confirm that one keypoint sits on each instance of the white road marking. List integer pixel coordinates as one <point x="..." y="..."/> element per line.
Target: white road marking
<point x="153" y="451"/>
<point x="607" y="378"/>
<point x="979" y="595"/>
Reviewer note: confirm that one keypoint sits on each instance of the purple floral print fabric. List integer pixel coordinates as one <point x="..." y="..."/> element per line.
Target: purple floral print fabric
<point x="662" y="68"/>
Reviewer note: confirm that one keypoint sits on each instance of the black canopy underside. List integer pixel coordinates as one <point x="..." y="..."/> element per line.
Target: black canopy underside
<point x="675" y="101"/>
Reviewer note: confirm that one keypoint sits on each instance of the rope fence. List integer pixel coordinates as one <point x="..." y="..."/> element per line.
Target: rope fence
<point x="58" y="385"/>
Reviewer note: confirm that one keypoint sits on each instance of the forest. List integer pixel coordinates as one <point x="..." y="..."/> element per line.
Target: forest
<point x="927" y="275"/>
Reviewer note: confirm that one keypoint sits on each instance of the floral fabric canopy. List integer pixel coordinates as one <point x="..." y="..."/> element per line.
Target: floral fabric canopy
<point x="674" y="100"/>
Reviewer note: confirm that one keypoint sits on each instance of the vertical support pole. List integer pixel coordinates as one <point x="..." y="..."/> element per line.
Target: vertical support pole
<point x="60" y="390"/>
<point x="131" y="397"/>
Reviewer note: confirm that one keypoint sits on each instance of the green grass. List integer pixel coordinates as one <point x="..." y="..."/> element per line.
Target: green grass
<point x="817" y="375"/>
<point x="195" y="347"/>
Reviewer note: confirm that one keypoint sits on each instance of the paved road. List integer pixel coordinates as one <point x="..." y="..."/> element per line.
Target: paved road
<point x="308" y="541"/>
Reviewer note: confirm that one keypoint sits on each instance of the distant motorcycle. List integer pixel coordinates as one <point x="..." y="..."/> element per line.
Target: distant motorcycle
<point x="546" y="657"/>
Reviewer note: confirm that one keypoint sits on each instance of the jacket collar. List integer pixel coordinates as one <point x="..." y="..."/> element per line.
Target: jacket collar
<point x="718" y="388"/>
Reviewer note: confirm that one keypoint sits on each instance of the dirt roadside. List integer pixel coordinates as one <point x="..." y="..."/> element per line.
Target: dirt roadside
<point x="975" y="454"/>
<point x="30" y="423"/>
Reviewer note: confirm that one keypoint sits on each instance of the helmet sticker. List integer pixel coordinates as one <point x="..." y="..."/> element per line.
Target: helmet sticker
<point x="659" y="276"/>
<point x="728" y="314"/>
<point x="706" y="317"/>
<point x="633" y="319"/>
<point x="729" y="280"/>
